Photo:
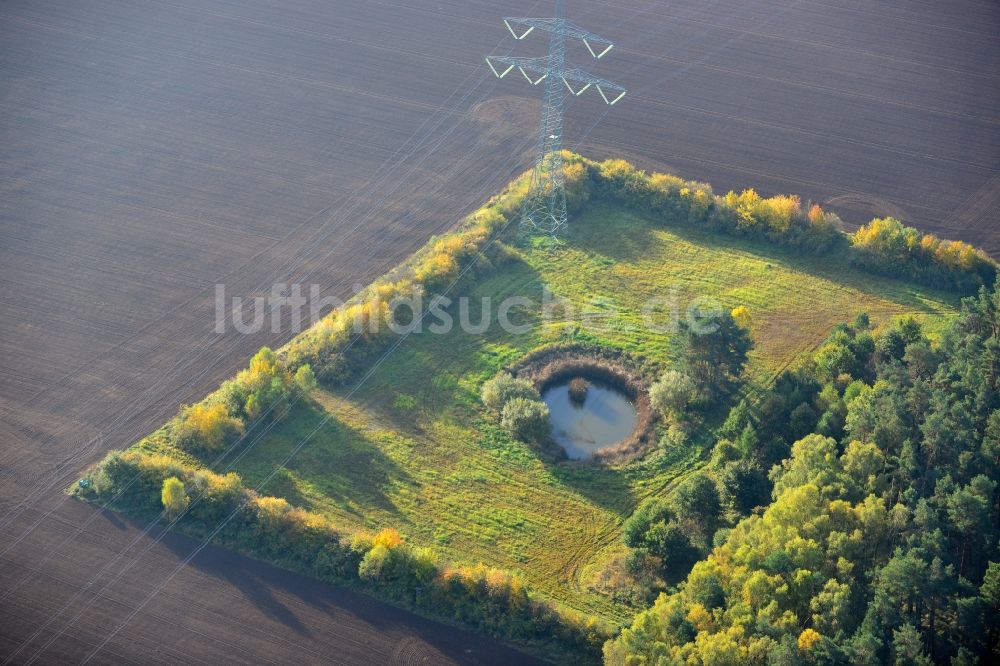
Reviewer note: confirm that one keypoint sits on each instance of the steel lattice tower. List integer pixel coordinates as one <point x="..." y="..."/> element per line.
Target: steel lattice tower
<point x="545" y="208"/>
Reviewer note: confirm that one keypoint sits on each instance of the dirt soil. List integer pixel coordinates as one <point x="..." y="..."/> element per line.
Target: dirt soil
<point x="150" y="150"/>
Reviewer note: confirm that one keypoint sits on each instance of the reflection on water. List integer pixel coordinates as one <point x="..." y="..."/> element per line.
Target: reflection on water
<point x="606" y="417"/>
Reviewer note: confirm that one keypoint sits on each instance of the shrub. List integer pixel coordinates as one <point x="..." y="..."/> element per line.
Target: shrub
<point x="305" y="379"/>
<point x="271" y="528"/>
<point x="882" y="246"/>
<point x="578" y="389"/>
<point x="741" y="315"/>
<point x="361" y="325"/>
<point x="651" y="511"/>
<point x="266" y="385"/>
<point x="207" y="428"/>
<point x="221" y="495"/>
<point x="675" y="437"/>
<point x="388" y="537"/>
<point x="404" y="402"/>
<point x="504" y="387"/>
<point x="886" y="245"/>
<point x="671" y="395"/>
<point x="173" y="497"/>
<point x="577" y="185"/>
<point x="374" y="562"/>
<point x="778" y="219"/>
<point x="524" y="419"/>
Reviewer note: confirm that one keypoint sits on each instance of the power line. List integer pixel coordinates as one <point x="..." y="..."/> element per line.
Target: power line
<point x="545" y="207"/>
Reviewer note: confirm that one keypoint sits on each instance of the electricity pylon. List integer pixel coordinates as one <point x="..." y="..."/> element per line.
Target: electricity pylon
<point x="545" y="208"/>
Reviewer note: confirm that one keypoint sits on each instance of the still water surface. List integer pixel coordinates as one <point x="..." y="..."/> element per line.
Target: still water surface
<point x="604" y="418"/>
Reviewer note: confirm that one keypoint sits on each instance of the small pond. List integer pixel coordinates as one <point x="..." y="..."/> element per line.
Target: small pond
<point x="606" y="416"/>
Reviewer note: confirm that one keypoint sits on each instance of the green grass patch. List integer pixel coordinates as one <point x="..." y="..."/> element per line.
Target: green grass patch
<point x="411" y="448"/>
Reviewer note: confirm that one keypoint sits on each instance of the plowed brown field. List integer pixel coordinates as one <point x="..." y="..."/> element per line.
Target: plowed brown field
<point x="151" y="149"/>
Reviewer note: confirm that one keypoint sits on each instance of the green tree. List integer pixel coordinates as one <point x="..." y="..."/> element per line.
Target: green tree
<point x="736" y="422"/>
<point x="814" y="460"/>
<point x="713" y="355"/>
<point x="525" y="419"/>
<point x="989" y="592"/>
<point x="672" y="394"/>
<point x="908" y="648"/>
<point x="969" y="510"/>
<point x="496" y="392"/>
<point x="802" y="420"/>
<point x="743" y="486"/>
<point x="695" y="504"/>
<point x="748" y="442"/>
<point x="653" y="510"/>
<point x="262" y="390"/>
<point x="305" y="379"/>
<point x="173" y="497"/>
<point x="670" y="543"/>
<point x="836" y="358"/>
<point x="990" y="589"/>
<point x="832" y="609"/>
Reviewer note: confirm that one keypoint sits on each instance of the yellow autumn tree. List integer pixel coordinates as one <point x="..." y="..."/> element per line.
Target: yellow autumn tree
<point x="741" y="315"/>
<point x="388" y="537"/>
<point x="807" y="639"/>
<point x="779" y="212"/>
<point x="208" y="427"/>
<point x="174" y="497"/>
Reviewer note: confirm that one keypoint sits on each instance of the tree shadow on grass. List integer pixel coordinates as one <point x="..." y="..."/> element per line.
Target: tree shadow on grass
<point x="337" y="462"/>
<point x="604" y="486"/>
<point x="433" y="369"/>
<point x="621" y="234"/>
<point x="610" y="231"/>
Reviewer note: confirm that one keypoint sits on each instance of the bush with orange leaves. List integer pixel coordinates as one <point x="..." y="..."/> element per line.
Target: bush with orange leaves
<point x="206" y="428"/>
<point x="778" y="219"/>
<point x="886" y="245"/>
